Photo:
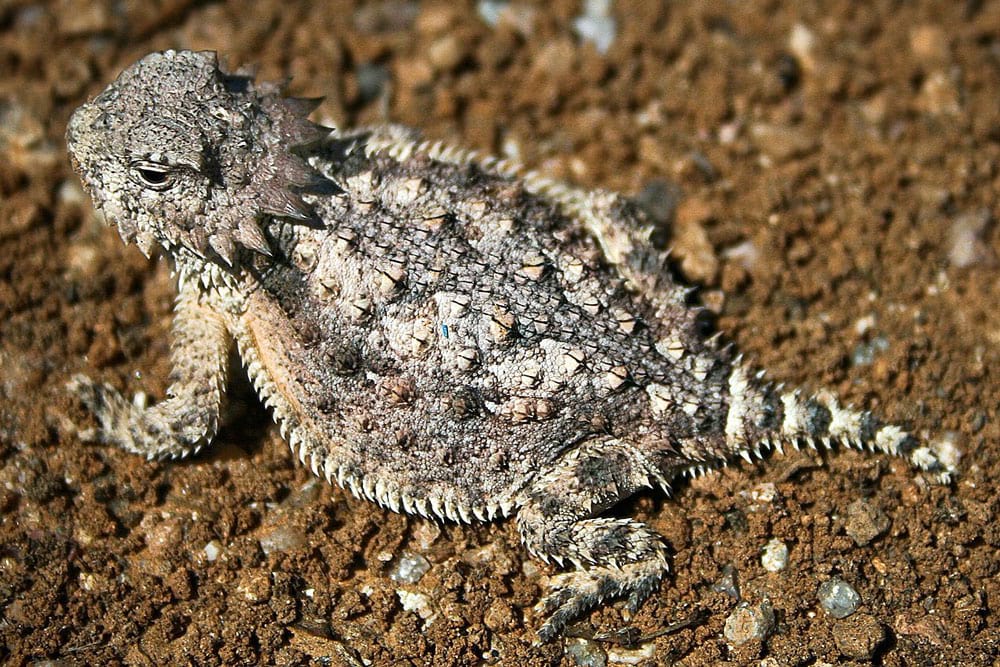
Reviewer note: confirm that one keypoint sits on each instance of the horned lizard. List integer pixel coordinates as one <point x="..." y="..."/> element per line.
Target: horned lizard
<point x="440" y="333"/>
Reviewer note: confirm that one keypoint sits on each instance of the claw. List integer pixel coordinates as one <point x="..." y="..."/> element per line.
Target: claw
<point x="571" y="594"/>
<point x="92" y="395"/>
<point x="558" y="620"/>
<point x="550" y="603"/>
<point x="557" y="598"/>
<point x="103" y="402"/>
<point x="84" y="388"/>
<point x="643" y="589"/>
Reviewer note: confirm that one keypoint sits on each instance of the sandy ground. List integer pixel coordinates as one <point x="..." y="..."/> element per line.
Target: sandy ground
<point x="828" y="173"/>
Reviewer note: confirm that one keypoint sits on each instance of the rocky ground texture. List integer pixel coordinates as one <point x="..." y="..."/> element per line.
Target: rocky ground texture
<point x="828" y="174"/>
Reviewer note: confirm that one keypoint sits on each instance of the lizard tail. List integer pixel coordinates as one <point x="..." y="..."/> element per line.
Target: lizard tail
<point x="762" y="416"/>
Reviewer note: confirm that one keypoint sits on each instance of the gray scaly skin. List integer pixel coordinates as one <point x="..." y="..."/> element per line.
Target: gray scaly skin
<point x="434" y="331"/>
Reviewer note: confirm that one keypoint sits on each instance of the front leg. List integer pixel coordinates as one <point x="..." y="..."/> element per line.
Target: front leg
<point x="189" y="418"/>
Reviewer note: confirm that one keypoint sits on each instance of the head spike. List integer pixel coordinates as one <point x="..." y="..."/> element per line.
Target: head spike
<point x="224" y="247"/>
<point x="249" y="235"/>
<point x="284" y="203"/>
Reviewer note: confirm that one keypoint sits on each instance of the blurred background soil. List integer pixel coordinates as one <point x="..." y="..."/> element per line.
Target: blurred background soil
<point x="828" y="174"/>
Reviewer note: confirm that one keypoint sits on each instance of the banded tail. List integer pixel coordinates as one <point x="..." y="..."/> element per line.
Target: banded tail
<point x="763" y="416"/>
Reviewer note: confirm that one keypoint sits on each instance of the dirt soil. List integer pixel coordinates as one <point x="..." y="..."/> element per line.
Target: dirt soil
<point x="828" y="173"/>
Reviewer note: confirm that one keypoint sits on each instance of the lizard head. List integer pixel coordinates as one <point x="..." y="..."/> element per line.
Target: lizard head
<point x="179" y="153"/>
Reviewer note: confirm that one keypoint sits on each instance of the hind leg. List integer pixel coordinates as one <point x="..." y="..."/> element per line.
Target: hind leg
<point x="615" y="558"/>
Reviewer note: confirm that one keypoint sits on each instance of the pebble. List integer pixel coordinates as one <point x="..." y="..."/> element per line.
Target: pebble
<point x="500" y="617"/>
<point x="212" y="551"/>
<point x="929" y="44"/>
<point x="745" y="254"/>
<point x="412" y="73"/>
<point x="632" y="656"/>
<point x="425" y="534"/>
<point x="859" y="637"/>
<point x="864" y="353"/>
<point x="865" y="522"/>
<point x="838" y="598"/>
<point x="436" y="18"/>
<point x="691" y="243"/>
<point x="727" y="583"/>
<point x="88" y="18"/>
<point x="749" y="622"/>
<point x="801" y="43"/>
<point x="161" y="533"/>
<point x="445" y="53"/>
<point x="586" y="653"/>
<point x="304" y="495"/>
<point x="519" y="17"/>
<point x="596" y="25"/>
<point x="70" y="192"/>
<point x="760" y="496"/>
<point x="782" y="142"/>
<point x="410" y="568"/>
<point x="491" y="10"/>
<point x="947" y="450"/>
<point x="939" y="94"/>
<point x="82" y="262"/>
<point x="418" y="603"/>
<point x="281" y="539"/>
<point x="775" y="556"/>
<point x="255" y="586"/>
<point x="865" y="324"/>
<point x="372" y="81"/>
<point x="967" y="247"/>
<point x="385" y="16"/>
<point x="659" y="199"/>
<point x="23" y="138"/>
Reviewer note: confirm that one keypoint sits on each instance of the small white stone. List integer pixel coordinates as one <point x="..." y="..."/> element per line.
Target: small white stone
<point x="418" y="603"/>
<point x="281" y="539"/>
<point x="596" y="25"/>
<point x="801" y="43"/>
<point x="212" y="551"/>
<point x="632" y="656"/>
<point x="838" y="598"/>
<point x="775" y="556"/>
<point x="491" y="10"/>
<point x="410" y="568"/>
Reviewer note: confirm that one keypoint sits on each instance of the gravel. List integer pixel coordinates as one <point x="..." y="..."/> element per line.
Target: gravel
<point x="838" y="598"/>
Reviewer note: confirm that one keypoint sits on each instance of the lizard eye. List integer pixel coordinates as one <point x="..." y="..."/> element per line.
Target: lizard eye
<point x="153" y="176"/>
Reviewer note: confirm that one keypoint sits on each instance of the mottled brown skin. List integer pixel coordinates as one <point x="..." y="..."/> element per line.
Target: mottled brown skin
<point x="434" y="331"/>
